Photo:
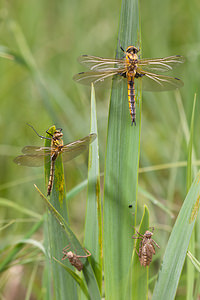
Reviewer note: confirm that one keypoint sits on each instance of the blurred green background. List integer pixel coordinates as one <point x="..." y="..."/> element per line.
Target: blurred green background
<point x="49" y="36"/>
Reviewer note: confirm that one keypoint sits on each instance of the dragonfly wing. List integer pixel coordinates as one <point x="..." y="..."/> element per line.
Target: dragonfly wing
<point x="101" y="64"/>
<point x="72" y="150"/>
<point x="161" y="64"/>
<point x="36" y="150"/>
<point x="30" y="160"/>
<point x="97" y="78"/>
<point x="153" y="82"/>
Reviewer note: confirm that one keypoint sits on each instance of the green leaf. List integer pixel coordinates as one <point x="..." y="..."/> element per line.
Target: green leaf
<point x="75" y="246"/>
<point x="190" y="267"/>
<point x="177" y="246"/>
<point x="93" y="226"/>
<point x="57" y="239"/>
<point x="121" y="169"/>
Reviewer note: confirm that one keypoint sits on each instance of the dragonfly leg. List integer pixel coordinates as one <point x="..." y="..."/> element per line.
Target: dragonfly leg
<point x="139" y="233"/>
<point x="66" y="248"/>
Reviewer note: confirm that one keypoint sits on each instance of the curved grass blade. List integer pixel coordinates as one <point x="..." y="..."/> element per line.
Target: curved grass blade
<point x="12" y="205"/>
<point x="71" y="239"/>
<point x="17" y="248"/>
<point x="151" y="198"/>
<point x="93" y="226"/>
<point x="177" y="246"/>
<point x="77" y="189"/>
<point x="121" y="169"/>
<point x="9" y="54"/>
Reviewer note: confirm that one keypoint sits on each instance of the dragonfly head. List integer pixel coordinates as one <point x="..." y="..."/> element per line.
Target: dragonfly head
<point x="132" y="50"/>
<point x="148" y="234"/>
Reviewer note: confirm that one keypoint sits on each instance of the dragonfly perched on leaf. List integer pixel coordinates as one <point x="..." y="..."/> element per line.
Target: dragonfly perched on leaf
<point x="131" y="67"/>
<point x="34" y="156"/>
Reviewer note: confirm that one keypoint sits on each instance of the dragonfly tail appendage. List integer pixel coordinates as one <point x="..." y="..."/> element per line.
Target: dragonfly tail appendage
<point x="131" y="99"/>
<point x="51" y="176"/>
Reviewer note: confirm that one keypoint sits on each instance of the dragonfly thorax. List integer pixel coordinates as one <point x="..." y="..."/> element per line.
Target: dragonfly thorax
<point x="57" y="138"/>
<point x="131" y="65"/>
<point x="57" y="135"/>
<point x="131" y="60"/>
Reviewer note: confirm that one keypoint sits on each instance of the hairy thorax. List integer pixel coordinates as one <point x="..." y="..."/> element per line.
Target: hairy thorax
<point x="131" y="64"/>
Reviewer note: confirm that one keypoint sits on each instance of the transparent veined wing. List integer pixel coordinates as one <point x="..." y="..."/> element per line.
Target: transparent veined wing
<point x="30" y="160"/>
<point x="161" y="64"/>
<point x="33" y="156"/>
<point x="95" y="63"/>
<point x="36" y="150"/>
<point x="73" y="149"/>
<point x="97" y="78"/>
<point x="159" y="83"/>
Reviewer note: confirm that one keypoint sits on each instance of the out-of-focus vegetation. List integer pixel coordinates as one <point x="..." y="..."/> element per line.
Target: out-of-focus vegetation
<point x="50" y="35"/>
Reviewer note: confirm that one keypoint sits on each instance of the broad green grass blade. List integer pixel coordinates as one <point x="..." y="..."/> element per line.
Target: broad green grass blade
<point x="139" y="274"/>
<point x="75" y="246"/>
<point x="93" y="226"/>
<point x="177" y="246"/>
<point x="191" y="248"/>
<point x="57" y="239"/>
<point x="121" y="169"/>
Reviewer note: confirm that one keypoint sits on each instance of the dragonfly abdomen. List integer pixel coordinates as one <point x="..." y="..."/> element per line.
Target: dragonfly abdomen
<point x="51" y="175"/>
<point x="131" y="98"/>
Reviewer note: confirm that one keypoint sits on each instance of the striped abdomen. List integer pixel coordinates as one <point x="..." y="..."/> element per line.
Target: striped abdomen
<point x="51" y="175"/>
<point x="146" y="253"/>
<point x="131" y="98"/>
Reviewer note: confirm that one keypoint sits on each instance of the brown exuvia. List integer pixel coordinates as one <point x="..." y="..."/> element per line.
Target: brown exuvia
<point x="74" y="258"/>
<point x="146" y="247"/>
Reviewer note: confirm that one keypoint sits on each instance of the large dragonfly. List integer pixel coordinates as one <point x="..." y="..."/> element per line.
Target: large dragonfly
<point x="131" y="67"/>
<point x="33" y="156"/>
